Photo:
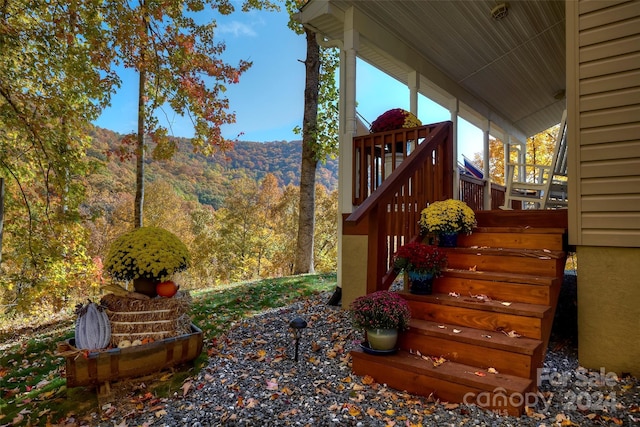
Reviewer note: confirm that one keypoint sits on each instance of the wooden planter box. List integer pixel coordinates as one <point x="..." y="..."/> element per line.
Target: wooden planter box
<point x="99" y="367"/>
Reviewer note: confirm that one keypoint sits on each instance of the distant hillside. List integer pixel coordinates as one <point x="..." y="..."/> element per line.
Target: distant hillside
<point x="206" y="178"/>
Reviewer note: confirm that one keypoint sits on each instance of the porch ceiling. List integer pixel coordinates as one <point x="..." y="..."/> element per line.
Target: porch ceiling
<point x="507" y="70"/>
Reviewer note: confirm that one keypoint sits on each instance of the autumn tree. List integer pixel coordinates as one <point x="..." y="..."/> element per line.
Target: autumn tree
<point x="54" y="79"/>
<point x="326" y="230"/>
<point x="319" y="132"/>
<point x="539" y="148"/>
<point x="179" y="65"/>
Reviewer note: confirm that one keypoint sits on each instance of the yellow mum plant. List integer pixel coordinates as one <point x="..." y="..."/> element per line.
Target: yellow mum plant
<point x="448" y="216"/>
<point x="146" y="252"/>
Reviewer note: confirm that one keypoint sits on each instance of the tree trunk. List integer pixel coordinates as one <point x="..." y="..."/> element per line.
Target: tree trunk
<point x="139" y="203"/>
<point x="306" y="221"/>
<point x="1" y="214"/>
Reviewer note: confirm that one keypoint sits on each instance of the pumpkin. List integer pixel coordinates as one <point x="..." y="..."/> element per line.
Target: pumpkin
<point x="166" y="289"/>
<point x="93" y="330"/>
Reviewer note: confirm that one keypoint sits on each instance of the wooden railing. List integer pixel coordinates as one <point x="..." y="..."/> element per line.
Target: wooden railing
<point x="472" y="193"/>
<point x="389" y="209"/>
<point x="376" y="156"/>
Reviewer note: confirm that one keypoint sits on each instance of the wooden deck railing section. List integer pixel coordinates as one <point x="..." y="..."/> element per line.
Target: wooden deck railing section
<point x="472" y="193"/>
<point x="390" y="208"/>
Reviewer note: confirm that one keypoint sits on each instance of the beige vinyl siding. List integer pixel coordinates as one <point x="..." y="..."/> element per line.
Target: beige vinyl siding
<point x="608" y="123"/>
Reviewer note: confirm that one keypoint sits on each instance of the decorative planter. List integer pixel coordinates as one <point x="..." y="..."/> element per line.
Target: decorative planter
<point x="102" y="366"/>
<point x="448" y="240"/>
<point x="420" y="283"/>
<point x="382" y="339"/>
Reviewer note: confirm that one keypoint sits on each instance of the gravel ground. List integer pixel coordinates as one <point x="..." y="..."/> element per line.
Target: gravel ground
<point x="252" y="379"/>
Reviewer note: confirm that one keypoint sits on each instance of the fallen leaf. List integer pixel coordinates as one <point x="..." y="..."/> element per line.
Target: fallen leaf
<point x="442" y="327"/>
<point x="451" y="405"/>
<point x="473" y="268"/>
<point x="505" y="303"/>
<point x="454" y="294"/>
<point x="492" y="371"/>
<point x="389" y="412"/>
<point x="367" y="380"/>
<point x="185" y="388"/>
<point x="456" y="331"/>
<point x="512" y="334"/>
<point x="272" y="384"/>
<point x="480" y="374"/>
<point x="486" y="336"/>
<point x="438" y="361"/>
<point x="481" y="297"/>
<point x="533" y="414"/>
<point x="354" y="411"/>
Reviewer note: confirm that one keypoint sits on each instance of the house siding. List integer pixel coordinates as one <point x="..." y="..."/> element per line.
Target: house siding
<point x="606" y="44"/>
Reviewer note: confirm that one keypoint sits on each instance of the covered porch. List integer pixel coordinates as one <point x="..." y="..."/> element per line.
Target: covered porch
<point x="510" y="70"/>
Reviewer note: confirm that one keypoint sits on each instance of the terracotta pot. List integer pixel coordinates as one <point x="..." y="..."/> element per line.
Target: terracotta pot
<point x="145" y="286"/>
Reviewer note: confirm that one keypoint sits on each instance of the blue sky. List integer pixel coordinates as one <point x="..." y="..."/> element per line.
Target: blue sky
<point x="269" y="99"/>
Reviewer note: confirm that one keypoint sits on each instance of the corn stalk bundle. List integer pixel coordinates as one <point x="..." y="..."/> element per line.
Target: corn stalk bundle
<point x="151" y="319"/>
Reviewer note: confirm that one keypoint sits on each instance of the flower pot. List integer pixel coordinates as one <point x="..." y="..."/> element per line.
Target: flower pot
<point x="382" y="339"/>
<point x="420" y="283"/>
<point x="448" y="240"/>
<point x="145" y="286"/>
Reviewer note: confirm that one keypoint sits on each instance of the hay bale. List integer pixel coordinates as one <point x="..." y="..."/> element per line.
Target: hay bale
<point x="138" y="319"/>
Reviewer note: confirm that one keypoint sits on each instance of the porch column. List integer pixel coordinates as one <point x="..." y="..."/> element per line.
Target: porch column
<point x="485" y="161"/>
<point x="454" y="109"/>
<point x="352" y="268"/>
<point x="413" y="81"/>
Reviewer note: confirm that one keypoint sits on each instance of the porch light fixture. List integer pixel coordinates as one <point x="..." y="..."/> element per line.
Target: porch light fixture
<point x="297" y="324"/>
<point x="500" y="11"/>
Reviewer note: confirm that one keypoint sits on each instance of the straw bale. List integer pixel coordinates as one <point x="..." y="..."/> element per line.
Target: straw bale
<point x="157" y="318"/>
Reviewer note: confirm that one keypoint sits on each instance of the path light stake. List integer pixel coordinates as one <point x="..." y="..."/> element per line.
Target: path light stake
<point x="297" y="324"/>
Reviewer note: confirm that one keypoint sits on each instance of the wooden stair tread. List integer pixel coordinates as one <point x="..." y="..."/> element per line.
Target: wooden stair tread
<point x="525" y="253"/>
<point x="496" y="276"/>
<point x="524" y="230"/>
<point x="514" y="308"/>
<point x="448" y="371"/>
<point x="479" y="337"/>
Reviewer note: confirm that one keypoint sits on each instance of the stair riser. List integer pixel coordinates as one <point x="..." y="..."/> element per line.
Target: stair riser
<point x="505" y="263"/>
<point x="505" y="362"/>
<point x="523" y="218"/>
<point x="501" y="291"/>
<point x="526" y="326"/>
<point x="424" y="385"/>
<point x="512" y="240"/>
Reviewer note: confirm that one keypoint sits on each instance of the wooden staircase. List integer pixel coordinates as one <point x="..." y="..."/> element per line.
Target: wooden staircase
<point x="492" y="311"/>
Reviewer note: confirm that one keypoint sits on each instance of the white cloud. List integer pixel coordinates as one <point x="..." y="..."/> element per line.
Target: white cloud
<point x="237" y="29"/>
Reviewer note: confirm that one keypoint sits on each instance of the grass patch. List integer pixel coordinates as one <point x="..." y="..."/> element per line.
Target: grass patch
<point x="32" y="386"/>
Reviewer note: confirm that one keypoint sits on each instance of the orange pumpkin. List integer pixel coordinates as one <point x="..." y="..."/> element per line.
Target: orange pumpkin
<point x="166" y="289"/>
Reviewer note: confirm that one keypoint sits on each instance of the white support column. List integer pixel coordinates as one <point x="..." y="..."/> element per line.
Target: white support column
<point x="413" y="81"/>
<point x="506" y="157"/>
<point x="454" y="110"/>
<point x="485" y="161"/>
<point x="347" y="130"/>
